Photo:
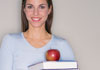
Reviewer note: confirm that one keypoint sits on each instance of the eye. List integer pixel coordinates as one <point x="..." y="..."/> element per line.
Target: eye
<point x="42" y="7"/>
<point x="29" y="7"/>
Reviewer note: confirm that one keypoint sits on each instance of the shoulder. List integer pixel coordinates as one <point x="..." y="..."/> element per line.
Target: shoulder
<point x="12" y="36"/>
<point x="60" y="43"/>
<point x="59" y="39"/>
<point x="9" y="40"/>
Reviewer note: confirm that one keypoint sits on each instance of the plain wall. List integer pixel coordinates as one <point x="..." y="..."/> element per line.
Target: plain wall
<point x="78" y="21"/>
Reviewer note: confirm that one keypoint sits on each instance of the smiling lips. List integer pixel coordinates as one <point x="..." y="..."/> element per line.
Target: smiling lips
<point x="36" y="19"/>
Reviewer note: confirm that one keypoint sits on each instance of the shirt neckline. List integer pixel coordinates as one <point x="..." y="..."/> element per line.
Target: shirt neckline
<point x="34" y="46"/>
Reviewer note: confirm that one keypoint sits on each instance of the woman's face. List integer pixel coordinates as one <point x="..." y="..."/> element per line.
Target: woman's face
<point x="36" y="12"/>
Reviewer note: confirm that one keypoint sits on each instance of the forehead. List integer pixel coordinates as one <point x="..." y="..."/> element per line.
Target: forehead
<point x="36" y="2"/>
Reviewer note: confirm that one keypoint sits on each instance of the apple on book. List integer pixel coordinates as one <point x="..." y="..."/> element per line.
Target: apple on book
<point x="52" y="55"/>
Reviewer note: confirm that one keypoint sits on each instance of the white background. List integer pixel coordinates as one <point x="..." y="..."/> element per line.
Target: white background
<point x="76" y="20"/>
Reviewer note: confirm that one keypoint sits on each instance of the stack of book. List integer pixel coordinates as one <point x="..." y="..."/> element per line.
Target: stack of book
<point x="55" y="65"/>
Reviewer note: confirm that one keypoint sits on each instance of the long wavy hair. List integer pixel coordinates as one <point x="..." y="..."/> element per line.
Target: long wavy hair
<point x="48" y="22"/>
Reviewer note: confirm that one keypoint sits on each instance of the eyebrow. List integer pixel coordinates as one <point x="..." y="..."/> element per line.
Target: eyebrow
<point x="43" y="4"/>
<point x="39" y="5"/>
<point x="29" y="4"/>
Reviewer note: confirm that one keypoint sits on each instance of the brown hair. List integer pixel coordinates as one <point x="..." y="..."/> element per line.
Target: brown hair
<point x="49" y="20"/>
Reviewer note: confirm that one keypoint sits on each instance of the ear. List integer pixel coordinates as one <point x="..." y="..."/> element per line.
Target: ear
<point x="50" y="9"/>
<point x="24" y="10"/>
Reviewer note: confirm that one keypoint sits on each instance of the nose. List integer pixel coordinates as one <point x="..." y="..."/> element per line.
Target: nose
<point x="36" y="12"/>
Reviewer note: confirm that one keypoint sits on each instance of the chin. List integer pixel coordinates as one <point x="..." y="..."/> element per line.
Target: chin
<point x="37" y="24"/>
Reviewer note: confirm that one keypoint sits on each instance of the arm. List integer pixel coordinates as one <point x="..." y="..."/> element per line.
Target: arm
<point x="6" y="55"/>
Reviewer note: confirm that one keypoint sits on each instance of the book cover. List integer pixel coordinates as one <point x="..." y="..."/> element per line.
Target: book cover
<point x="54" y="65"/>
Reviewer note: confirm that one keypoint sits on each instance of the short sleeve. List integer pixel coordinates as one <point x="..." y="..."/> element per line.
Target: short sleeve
<point x="6" y="58"/>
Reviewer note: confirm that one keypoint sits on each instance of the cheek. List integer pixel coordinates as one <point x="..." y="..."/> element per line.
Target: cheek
<point x="44" y="12"/>
<point x="28" y="14"/>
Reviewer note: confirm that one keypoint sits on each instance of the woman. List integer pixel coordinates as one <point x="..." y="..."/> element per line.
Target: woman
<point x="18" y="51"/>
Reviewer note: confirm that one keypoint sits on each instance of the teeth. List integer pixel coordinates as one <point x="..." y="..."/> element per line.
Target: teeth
<point x="36" y="19"/>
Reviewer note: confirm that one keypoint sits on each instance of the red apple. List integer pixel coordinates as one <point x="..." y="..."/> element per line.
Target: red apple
<point x="52" y="55"/>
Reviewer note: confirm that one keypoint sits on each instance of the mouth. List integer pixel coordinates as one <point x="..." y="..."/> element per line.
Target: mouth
<point x="36" y="19"/>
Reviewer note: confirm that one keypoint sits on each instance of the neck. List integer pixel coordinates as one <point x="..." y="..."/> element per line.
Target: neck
<point x="37" y="32"/>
